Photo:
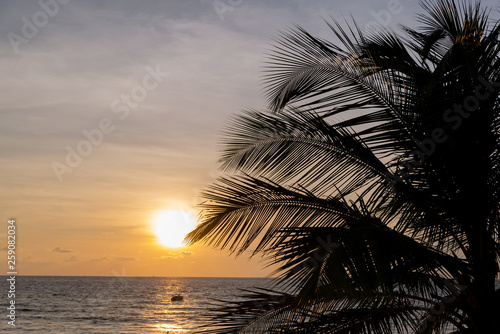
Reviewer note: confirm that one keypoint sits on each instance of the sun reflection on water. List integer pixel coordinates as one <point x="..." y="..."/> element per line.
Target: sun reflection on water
<point x="169" y="328"/>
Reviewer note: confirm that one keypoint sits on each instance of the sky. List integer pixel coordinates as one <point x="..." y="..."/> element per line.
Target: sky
<point x="112" y="111"/>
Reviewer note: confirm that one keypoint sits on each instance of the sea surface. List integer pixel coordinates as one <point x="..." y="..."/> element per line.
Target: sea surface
<point x="58" y="304"/>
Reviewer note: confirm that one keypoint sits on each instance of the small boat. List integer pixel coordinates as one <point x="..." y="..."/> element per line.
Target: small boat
<point x="177" y="298"/>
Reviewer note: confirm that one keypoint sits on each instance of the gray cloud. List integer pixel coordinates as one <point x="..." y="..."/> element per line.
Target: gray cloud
<point x="64" y="80"/>
<point x="59" y="250"/>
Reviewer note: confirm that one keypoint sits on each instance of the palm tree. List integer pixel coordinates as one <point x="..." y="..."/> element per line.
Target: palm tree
<point x="372" y="183"/>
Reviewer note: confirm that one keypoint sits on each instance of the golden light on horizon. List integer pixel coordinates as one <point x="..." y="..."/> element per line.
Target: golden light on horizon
<point x="172" y="226"/>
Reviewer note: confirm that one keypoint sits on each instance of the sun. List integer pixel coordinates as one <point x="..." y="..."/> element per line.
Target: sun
<point x="171" y="227"/>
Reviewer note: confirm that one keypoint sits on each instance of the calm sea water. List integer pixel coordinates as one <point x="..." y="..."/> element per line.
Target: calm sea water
<point x="114" y="304"/>
<point x="103" y="305"/>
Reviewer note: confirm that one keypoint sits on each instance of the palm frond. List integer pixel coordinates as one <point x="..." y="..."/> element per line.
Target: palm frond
<point x="372" y="185"/>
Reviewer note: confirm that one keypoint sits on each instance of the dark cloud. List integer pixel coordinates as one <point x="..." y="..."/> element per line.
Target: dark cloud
<point x="59" y="250"/>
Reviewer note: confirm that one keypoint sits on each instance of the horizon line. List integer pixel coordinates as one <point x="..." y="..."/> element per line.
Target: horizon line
<point x="132" y="276"/>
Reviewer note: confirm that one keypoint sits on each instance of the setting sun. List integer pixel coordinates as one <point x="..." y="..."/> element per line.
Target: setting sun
<point x="171" y="227"/>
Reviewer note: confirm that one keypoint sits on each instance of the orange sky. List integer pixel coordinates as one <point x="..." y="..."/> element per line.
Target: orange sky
<point x="158" y="80"/>
<point x="110" y="230"/>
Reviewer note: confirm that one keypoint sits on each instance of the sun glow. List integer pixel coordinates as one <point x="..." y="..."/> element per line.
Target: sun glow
<point x="171" y="227"/>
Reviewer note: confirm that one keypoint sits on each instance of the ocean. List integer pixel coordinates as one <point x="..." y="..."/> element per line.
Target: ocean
<point x="59" y="304"/>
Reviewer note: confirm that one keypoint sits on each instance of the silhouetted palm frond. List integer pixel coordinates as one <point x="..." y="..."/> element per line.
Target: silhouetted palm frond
<point x="373" y="183"/>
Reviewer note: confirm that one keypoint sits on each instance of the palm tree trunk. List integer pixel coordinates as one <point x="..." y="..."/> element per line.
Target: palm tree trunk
<point x="484" y="313"/>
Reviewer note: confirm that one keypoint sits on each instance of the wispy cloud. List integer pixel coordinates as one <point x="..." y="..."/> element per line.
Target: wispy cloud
<point x="59" y="250"/>
<point x="175" y="255"/>
<point x="64" y="80"/>
<point x="120" y="258"/>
